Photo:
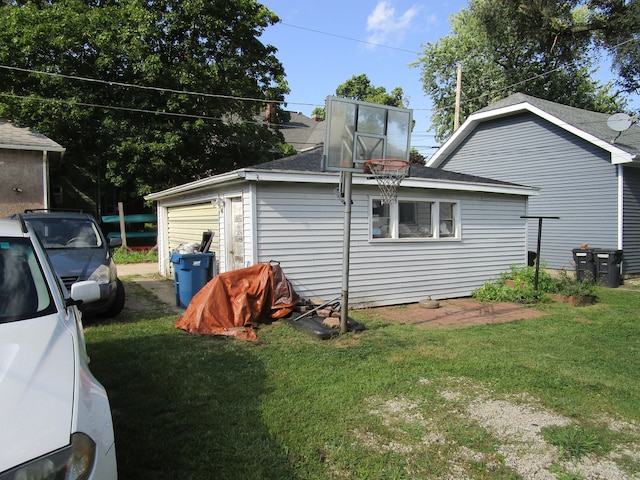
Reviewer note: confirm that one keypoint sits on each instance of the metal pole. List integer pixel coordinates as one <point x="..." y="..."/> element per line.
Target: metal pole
<point x="537" y="271"/>
<point x="346" y="247"/>
<point x="535" y="278"/>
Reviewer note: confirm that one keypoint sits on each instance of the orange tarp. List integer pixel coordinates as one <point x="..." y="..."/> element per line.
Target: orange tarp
<point x="235" y="303"/>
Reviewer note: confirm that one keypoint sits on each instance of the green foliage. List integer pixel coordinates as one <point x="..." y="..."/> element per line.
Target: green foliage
<point x="540" y="48"/>
<point x="565" y="285"/>
<point x="123" y="255"/>
<point x="517" y="285"/>
<point x="131" y="123"/>
<point x="416" y="157"/>
<point x="319" y="111"/>
<point x="359" y="87"/>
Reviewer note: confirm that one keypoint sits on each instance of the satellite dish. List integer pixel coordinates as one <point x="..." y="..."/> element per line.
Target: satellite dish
<point x="619" y="122"/>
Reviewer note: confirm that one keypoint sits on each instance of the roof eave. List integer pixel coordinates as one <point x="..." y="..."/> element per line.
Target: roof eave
<point x="481" y="187"/>
<point x="37" y="148"/>
<point x="296" y="176"/>
<point x="195" y="185"/>
<point x="618" y="155"/>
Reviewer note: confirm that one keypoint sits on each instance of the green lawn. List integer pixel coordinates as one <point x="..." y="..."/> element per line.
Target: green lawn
<point x="392" y="402"/>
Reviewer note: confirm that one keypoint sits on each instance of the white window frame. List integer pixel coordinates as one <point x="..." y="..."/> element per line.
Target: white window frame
<point x="394" y="220"/>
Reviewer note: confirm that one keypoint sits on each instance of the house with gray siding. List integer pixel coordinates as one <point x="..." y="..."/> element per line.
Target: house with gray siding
<point x="586" y="173"/>
<point x="448" y="234"/>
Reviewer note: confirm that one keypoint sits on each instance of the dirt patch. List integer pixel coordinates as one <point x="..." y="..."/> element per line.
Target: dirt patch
<point x="417" y="428"/>
<point x="155" y="292"/>
<point x="457" y="313"/>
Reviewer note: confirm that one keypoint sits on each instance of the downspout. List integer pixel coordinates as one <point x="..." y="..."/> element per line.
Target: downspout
<point x="45" y="179"/>
<point x="620" y="175"/>
<point x="254" y="224"/>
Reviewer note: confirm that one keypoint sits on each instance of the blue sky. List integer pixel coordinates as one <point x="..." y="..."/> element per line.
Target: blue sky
<point x="323" y="44"/>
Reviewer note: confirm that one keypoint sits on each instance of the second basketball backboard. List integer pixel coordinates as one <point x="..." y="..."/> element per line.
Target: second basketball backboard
<point x="359" y="131"/>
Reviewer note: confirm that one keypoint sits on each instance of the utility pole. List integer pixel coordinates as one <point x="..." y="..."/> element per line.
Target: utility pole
<point x="456" y="118"/>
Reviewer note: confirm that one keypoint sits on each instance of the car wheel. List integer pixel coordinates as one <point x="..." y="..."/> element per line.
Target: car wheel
<point x="118" y="304"/>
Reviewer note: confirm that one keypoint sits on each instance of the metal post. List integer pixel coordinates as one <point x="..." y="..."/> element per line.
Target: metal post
<point x="537" y="272"/>
<point x="346" y="247"/>
<point x="535" y="278"/>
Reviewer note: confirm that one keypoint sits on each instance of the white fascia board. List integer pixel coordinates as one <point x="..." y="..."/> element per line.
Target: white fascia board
<point x="618" y="155"/>
<point x="195" y="185"/>
<point x="291" y="176"/>
<point x="54" y="147"/>
<point x="333" y="178"/>
<point x="470" y="186"/>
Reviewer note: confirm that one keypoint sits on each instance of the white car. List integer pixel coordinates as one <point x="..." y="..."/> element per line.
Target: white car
<point x="55" y="418"/>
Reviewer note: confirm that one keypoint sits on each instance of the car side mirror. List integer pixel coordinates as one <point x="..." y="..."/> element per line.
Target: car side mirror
<point x="86" y="291"/>
<point x="115" y="242"/>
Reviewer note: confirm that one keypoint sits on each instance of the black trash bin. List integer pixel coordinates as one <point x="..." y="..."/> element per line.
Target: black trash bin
<point x="608" y="266"/>
<point x="191" y="272"/>
<point x="585" y="264"/>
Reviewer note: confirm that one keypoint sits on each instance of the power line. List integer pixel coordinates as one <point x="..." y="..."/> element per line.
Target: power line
<point x="151" y="88"/>
<point x="113" y="107"/>
<point x="231" y="97"/>
<point x="349" y="38"/>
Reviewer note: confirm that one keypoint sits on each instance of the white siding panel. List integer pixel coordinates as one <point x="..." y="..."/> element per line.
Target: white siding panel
<point x="187" y="222"/>
<point x="576" y="180"/>
<point x="302" y="228"/>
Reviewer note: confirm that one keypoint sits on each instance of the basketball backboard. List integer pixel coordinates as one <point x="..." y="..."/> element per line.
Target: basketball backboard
<point x="359" y="131"/>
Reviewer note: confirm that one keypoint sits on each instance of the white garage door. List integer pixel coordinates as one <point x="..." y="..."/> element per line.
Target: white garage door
<point x="185" y="224"/>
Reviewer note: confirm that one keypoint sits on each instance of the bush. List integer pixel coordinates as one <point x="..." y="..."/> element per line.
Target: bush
<point x="517" y="285"/>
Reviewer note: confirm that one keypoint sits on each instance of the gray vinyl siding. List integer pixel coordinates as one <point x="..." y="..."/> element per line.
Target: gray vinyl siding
<point x="576" y="180"/>
<point x="631" y="231"/>
<point x="302" y="228"/>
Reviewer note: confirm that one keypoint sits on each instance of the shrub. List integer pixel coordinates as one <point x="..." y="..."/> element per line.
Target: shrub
<point x="517" y="285"/>
<point x="569" y="287"/>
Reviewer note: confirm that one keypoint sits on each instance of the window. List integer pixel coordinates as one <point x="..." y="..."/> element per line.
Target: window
<point x="414" y="219"/>
<point x="447" y="219"/>
<point x="23" y="287"/>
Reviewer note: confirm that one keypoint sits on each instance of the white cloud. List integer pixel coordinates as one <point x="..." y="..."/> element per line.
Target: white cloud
<point x="386" y="25"/>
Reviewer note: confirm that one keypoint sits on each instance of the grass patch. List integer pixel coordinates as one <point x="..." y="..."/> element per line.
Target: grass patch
<point x="574" y="441"/>
<point x="392" y="402"/>
<point x="123" y="255"/>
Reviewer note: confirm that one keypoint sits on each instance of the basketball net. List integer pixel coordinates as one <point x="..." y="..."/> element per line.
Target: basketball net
<point x="389" y="173"/>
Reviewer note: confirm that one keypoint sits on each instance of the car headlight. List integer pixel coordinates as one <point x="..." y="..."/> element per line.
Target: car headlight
<point x="102" y="275"/>
<point x="73" y="462"/>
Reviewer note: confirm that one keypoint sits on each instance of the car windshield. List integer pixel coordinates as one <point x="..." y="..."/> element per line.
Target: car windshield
<point x="66" y="232"/>
<point x="23" y="288"/>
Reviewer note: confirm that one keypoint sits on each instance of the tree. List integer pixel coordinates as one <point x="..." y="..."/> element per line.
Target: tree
<point x="610" y="24"/>
<point x="505" y="48"/>
<point x="359" y="87"/>
<point x="143" y="95"/>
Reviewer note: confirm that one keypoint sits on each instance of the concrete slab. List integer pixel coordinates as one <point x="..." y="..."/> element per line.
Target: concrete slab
<point x="457" y="313"/>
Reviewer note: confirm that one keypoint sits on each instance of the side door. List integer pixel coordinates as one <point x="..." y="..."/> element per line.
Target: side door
<point x="235" y="239"/>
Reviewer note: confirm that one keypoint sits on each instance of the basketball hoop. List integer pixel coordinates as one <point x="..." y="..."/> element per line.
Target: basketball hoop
<point x="389" y="173"/>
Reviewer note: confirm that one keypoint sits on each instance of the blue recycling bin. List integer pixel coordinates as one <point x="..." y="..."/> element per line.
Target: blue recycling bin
<point x="191" y="272"/>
